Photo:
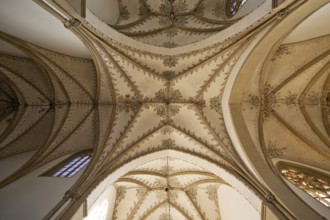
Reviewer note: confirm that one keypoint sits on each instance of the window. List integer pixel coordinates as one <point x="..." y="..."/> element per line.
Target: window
<point x="233" y="6"/>
<point x="70" y="166"/>
<point x="313" y="182"/>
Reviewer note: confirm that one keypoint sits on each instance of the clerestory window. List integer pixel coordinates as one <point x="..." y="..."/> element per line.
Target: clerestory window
<point x="233" y="6"/>
<point x="312" y="182"/>
<point x="70" y="166"/>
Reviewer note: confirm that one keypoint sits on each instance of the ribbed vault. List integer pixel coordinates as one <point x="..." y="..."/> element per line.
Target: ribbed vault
<point x="167" y="188"/>
<point x="128" y="103"/>
<point x="279" y="106"/>
<point x="294" y="103"/>
<point x="8" y="104"/>
<point x="54" y="105"/>
<point x="171" y="23"/>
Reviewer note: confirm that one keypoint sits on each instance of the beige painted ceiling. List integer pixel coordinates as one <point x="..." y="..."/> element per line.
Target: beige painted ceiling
<point x="296" y="87"/>
<point x="31" y="23"/>
<point x="34" y="22"/>
<point x="171" y="23"/>
<point x="8" y="103"/>
<point x="129" y="102"/>
<point x="146" y="102"/>
<point x="316" y="25"/>
<point x="167" y="188"/>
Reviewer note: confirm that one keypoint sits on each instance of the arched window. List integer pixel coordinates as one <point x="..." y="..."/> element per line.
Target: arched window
<point x="233" y="6"/>
<point x="70" y="166"/>
<point x="313" y="182"/>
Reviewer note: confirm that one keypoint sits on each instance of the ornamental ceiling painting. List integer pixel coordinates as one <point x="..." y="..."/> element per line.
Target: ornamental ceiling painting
<point x="167" y="95"/>
<point x="170" y="102"/>
<point x="171" y="23"/>
<point x="167" y="189"/>
<point x="299" y="91"/>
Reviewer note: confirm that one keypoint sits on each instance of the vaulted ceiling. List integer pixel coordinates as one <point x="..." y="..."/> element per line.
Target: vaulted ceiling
<point x="171" y="23"/>
<point x="148" y="89"/>
<point x="146" y="102"/>
<point x="294" y="115"/>
<point x="167" y="188"/>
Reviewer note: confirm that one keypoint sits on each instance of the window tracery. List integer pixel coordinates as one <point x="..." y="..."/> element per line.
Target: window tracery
<point x="70" y="166"/>
<point x="312" y="182"/>
<point x="233" y="6"/>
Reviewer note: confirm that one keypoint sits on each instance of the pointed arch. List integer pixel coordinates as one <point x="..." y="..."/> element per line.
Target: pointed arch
<point x="313" y="182"/>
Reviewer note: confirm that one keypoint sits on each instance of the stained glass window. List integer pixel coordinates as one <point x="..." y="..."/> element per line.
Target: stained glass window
<point x="70" y="167"/>
<point x="233" y="6"/>
<point x="314" y="183"/>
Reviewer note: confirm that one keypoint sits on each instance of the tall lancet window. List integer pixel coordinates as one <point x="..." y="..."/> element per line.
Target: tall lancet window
<point x="233" y="6"/>
<point x="70" y="166"/>
<point x="313" y="182"/>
